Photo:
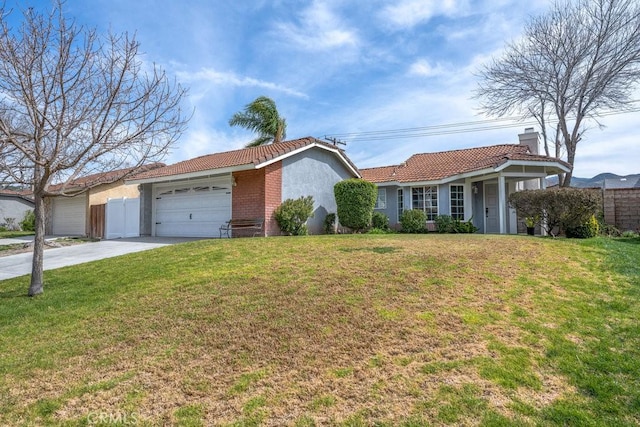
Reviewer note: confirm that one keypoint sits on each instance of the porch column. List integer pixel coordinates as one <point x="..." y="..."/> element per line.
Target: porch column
<point x="468" y="200"/>
<point x="502" y="205"/>
<point x="543" y="223"/>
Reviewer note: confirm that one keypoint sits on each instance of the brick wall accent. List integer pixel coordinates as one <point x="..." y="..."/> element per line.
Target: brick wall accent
<point x="247" y="197"/>
<point x="273" y="196"/>
<point x="622" y="208"/>
<point x="256" y="195"/>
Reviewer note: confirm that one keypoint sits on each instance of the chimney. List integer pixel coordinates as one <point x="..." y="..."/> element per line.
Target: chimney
<point x="530" y="139"/>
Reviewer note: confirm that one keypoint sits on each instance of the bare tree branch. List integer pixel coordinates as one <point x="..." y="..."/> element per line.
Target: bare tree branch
<point x="580" y="59"/>
<point x="73" y="103"/>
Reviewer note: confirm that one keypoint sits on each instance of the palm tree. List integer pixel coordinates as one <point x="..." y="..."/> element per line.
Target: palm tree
<point x="261" y="116"/>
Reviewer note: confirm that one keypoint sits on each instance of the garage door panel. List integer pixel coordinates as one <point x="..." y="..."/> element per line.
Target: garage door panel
<point x="69" y="215"/>
<point x="196" y="211"/>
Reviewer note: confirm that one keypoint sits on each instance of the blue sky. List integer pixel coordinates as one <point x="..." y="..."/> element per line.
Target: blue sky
<point x="338" y="67"/>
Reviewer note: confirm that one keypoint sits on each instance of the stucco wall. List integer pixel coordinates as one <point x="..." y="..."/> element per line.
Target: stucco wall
<point x="478" y="206"/>
<point x="146" y="209"/>
<point x="13" y="207"/>
<point x="313" y="172"/>
<point x="102" y="193"/>
<point x="391" y="211"/>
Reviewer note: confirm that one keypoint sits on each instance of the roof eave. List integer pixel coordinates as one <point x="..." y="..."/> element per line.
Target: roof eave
<point x="545" y="164"/>
<point x="335" y="151"/>
<point x="192" y="175"/>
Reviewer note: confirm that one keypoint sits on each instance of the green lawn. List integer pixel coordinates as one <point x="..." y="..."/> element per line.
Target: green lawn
<point x="10" y="234"/>
<point x="331" y="330"/>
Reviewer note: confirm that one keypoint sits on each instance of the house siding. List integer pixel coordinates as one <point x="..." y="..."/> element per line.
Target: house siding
<point x="477" y="204"/>
<point x="391" y="211"/>
<point x="13" y="207"/>
<point x="313" y="173"/>
<point x="146" y="209"/>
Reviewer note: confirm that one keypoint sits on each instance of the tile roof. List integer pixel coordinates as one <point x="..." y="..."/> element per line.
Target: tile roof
<point x="23" y="194"/>
<point x="95" y="179"/>
<point x="444" y="164"/>
<point x="245" y="156"/>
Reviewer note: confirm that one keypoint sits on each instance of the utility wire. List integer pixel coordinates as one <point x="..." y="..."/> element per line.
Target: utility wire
<point x="453" y="128"/>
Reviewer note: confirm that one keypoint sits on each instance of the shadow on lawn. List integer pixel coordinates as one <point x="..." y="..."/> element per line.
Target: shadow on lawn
<point x="377" y="249"/>
<point x="631" y="240"/>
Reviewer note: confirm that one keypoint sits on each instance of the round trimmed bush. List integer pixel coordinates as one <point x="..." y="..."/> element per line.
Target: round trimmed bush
<point x="355" y="199"/>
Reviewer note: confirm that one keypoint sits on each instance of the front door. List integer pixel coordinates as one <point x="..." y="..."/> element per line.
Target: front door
<point x="491" y="224"/>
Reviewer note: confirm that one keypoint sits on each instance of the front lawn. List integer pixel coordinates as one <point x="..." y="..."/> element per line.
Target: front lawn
<point x="11" y="234"/>
<point x="331" y="330"/>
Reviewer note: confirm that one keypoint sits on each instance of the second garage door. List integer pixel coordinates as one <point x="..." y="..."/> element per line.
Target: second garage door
<point x="192" y="210"/>
<point x="69" y="216"/>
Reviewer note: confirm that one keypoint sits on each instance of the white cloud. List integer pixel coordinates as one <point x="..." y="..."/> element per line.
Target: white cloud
<point x="409" y="13"/>
<point x="212" y="76"/>
<point x="423" y="68"/>
<point x="200" y="140"/>
<point x="318" y="29"/>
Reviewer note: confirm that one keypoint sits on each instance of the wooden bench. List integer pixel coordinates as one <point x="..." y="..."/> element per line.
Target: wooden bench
<point x="242" y="224"/>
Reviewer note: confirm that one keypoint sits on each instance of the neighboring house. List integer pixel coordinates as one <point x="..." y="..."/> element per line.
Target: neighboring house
<point x="466" y="184"/>
<point x="621" y="198"/>
<point x="14" y="205"/>
<point x="81" y="211"/>
<point x="195" y="197"/>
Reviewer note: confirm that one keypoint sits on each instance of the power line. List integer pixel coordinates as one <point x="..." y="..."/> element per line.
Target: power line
<point x="452" y="128"/>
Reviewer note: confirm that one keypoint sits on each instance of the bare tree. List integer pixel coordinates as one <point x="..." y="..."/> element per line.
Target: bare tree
<point x="572" y="64"/>
<point x="74" y="103"/>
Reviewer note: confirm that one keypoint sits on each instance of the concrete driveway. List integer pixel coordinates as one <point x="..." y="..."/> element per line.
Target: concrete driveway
<point x="20" y="264"/>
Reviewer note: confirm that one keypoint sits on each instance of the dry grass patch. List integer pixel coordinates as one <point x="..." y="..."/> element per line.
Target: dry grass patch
<point x="440" y="329"/>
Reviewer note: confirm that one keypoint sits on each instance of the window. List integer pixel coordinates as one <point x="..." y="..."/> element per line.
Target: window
<point x="456" y="193"/>
<point x="400" y="203"/>
<point x="381" y="201"/>
<point x="425" y="199"/>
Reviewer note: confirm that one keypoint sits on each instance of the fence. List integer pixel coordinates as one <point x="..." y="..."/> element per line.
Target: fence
<point x="122" y="218"/>
<point x="622" y="208"/>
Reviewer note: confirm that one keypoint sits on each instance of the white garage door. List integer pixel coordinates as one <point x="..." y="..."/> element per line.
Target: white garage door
<point x="192" y="209"/>
<point x="69" y="216"/>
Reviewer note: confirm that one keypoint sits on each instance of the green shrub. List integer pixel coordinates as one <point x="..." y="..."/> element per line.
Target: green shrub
<point x="330" y="223"/>
<point x="292" y="215"/>
<point x="584" y="231"/>
<point x="355" y="199"/>
<point x="413" y="221"/>
<point x="464" y="226"/>
<point x="560" y="207"/>
<point x="609" y="230"/>
<point x="380" y="221"/>
<point x="29" y="222"/>
<point x="444" y="224"/>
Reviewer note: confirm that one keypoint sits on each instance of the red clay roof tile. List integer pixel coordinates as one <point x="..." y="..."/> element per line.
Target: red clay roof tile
<point x="95" y="179"/>
<point x="444" y="164"/>
<point x="244" y="156"/>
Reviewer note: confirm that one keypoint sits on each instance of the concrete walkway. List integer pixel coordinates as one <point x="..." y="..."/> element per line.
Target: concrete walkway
<point x="20" y="264"/>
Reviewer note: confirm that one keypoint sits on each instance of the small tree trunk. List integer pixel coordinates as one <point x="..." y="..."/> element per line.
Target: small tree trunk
<point x="37" y="266"/>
